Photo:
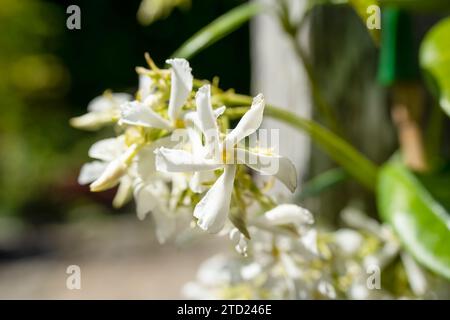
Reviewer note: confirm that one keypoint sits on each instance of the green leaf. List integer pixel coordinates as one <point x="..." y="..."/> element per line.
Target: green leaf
<point x="421" y="223"/>
<point x="322" y="182"/>
<point x="355" y="163"/>
<point x="218" y="29"/>
<point x="435" y="60"/>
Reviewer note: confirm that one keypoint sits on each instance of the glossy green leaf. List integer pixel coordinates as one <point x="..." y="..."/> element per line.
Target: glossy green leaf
<point x="364" y="10"/>
<point x="421" y="223"/>
<point x="218" y="29"/>
<point x="435" y="60"/>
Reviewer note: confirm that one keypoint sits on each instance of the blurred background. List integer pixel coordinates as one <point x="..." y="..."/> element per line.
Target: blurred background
<point x="48" y="74"/>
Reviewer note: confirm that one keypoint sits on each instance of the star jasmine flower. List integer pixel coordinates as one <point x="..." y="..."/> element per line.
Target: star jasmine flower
<point x="213" y="208"/>
<point x="111" y="168"/>
<point x="142" y="113"/>
<point x="102" y="110"/>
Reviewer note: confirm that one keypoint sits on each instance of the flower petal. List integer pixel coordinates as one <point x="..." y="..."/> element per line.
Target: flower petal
<point x="207" y="118"/>
<point x="212" y="210"/>
<point x="145" y="86"/>
<point x="139" y="114"/>
<point x="273" y="165"/>
<point x="249" y="123"/>
<point x="147" y="196"/>
<point x="181" y="86"/>
<point x="91" y="171"/>
<point x="198" y="180"/>
<point x="164" y="224"/>
<point x="173" y="160"/>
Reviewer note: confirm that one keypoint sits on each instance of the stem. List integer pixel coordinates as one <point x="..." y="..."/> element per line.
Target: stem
<point x="356" y="164"/>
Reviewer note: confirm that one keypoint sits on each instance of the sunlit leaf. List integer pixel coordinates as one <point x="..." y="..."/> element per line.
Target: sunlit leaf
<point x="435" y="60"/>
<point x="421" y="223"/>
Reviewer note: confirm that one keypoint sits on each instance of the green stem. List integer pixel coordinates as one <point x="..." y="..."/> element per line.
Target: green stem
<point x="324" y="108"/>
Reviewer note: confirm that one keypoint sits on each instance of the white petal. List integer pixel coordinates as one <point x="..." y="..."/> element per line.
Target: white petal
<point x="207" y="119"/>
<point x="93" y="120"/>
<point x="287" y="214"/>
<point x="110" y="177"/>
<point x="273" y="165"/>
<point x="212" y="210"/>
<point x="415" y="274"/>
<point x="249" y="123"/>
<point x="107" y="149"/>
<point x="198" y="180"/>
<point x="91" y="171"/>
<point x="173" y="160"/>
<point x="138" y="114"/>
<point x="108" y="101"/>
<point x="219" y="111"/>
<point x="239" y="241"/>
<point x="164" y="224"/>
<point x="181" y="86"/>
<point x="348" y="241"/>
<point x="124" y="192"/>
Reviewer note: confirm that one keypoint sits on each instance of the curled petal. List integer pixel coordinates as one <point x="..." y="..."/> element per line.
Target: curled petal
<point x="273" y="165"/>
<point x="145" y="86"/>
<point x="239" y="241"/>
<point x="181" y="86"/>
<point x="212" y="210"/>
<point x="207" y="118"/>
<point x="124" y="192"/>
<point x="164" y="224"/>
<point x="108" y="101"/>
<point x="91" y="171"/>
<point x="173" y="160"/>
<point x="138" y="114"/>
<point x="249" y="123"/>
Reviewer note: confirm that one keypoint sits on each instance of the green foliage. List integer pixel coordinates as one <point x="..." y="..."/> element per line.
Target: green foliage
<point x="421" y="223"/>
<point x="435" y="60"/>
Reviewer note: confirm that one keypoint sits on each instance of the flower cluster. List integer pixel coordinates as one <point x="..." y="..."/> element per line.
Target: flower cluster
<point x="175" y="153"/>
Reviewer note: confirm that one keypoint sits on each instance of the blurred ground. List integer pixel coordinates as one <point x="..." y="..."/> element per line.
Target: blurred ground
<point x="119" y="259"/>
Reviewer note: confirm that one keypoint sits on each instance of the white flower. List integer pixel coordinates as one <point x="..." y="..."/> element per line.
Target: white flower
<point x="141" y="113"/>
<point x="213" y="208"/>
<point x="102" y="110"/>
